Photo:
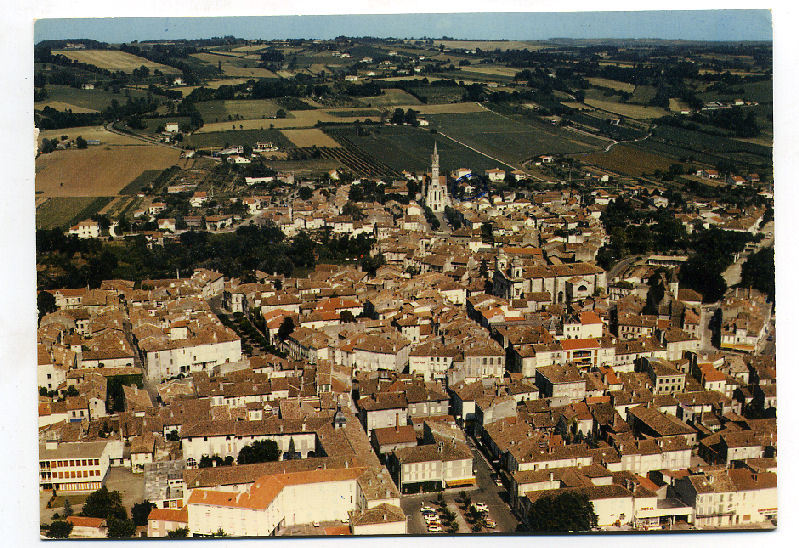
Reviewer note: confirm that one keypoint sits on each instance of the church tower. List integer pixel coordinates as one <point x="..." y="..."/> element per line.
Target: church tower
<point x="436" y="197"/>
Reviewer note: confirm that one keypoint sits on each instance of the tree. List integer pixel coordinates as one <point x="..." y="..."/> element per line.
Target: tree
<point x="140" y="511"/>
<point x="121" y="528"/>
<point x="81" y="142"/>
<point x="67" y="508"/>
<point x="45" y="302"/>
<point x="398" y="118"/>
<point x="758" y="272"/>
<point x="347" y="317"/>
<point x="562" y="513"/>
<point x="305" y="193"/>
<point x="104" y="504"/>
<point x="59" y="529"/>
<point x="182" y="532"/>
<point x="259" y="451"/>
<point x="286" y="328"/>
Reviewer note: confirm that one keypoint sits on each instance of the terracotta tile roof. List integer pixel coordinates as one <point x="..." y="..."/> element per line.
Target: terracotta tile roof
<point x="82" y="521"/>
<point x="169" y="514"/>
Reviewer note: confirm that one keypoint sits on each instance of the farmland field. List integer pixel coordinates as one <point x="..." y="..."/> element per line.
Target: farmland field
<point x="438" y="94"/>
<point x="215" y="111"/>
<point x="675" y="105"/>
<point x="299" y="119"/>
<point x="211" y="84"/>
<point x="489" y="45"/>
<point x="631" y="111"/>
<point x="113" y="60"/>
<point x="235" y="66"/>
<point x="89" y="132"/>
<point x="612" y="84"/>
<point x="711" y="147"/>
<point x="508" y="139"/>
<point x="628" y="160"/>
<point x="390" y="97"/>
<point x="92" y="99"/>
<point x="98" y="170"/>
<point x="405" y="147"/>
<point x="63" y="212"/>
<point x="309" y="138"/>
<point x="762" y="92"/>
<point x="238" y="137"/>
<point x="60" y="105"/>
<point x="643" y="94"/>
<point x="492" y="70"/>
<point x="147" y="176"/>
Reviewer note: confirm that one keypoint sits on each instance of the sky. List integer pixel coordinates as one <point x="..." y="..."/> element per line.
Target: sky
<point x="670" y="25"/>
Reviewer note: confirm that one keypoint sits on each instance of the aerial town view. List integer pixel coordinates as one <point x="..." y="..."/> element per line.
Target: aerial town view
<point x="403" y="284"/>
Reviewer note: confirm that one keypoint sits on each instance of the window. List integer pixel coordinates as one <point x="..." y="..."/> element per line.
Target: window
<point x="71" y="462"/>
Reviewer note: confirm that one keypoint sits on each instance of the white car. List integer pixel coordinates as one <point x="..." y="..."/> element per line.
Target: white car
<point x="426" y="508"/>
<point x="430" y="519"/>
<point x="480" y="506"/>
<point x="490" y="523"/>
<point x="316" y="524"/>
<point x="434" y="529"/>
<point x="345" y="520"/>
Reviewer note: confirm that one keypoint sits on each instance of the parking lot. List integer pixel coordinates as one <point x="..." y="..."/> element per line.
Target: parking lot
<point x="486" y="491"/>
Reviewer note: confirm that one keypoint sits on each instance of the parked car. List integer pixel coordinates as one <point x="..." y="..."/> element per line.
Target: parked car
<point x="434" y="529"/>
<point x="490" y="523"/>
<point x="480" y="506"/>
<point x="426" y="508"/>
<point x="316" y="524"/>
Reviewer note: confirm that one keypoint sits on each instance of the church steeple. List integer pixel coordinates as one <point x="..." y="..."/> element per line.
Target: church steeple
<point x="436" y="197"/>
<point x="434" y="164"/>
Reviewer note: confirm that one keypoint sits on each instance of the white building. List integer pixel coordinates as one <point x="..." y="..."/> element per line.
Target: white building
<point x="85" y="229"/>
<point x="73" y="466"/>
<point x="277" y="501"/>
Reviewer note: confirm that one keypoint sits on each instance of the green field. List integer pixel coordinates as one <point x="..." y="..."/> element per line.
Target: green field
<point x="154" y="123"/>
<point x="509" y="139"/>
<point x="238" y="137"/>
<point x="354" y="113"/>
<point x="628" y="160"/>
<point x="680" y="143"/>
<point x="438" y="94"/>
<point x="219" y="111"/>
<point x="762" y="92"/>
<point x="95" y="99"/>
<point x="389" y="98"/>
<point x="643" y="94"/>
<point x="65" y="212"/>
<point x="405" y="147"/>
<point x="147" y="177"/>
